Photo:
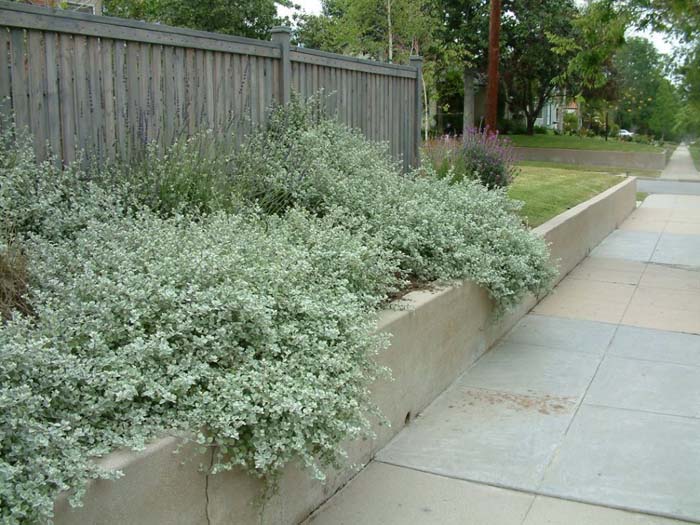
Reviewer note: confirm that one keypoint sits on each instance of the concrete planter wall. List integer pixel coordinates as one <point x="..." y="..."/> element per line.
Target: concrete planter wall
<point x="433" y="342"/>
<point x="616" y="159"/>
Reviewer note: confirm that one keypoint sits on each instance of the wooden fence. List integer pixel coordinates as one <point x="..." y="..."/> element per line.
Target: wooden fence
<point x="107" y="86"/>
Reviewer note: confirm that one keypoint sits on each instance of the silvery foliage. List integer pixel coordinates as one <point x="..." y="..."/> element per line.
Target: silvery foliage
<point x="437" y="229"/>
<point x="255" y="333"/>
<point x="250" y="328"/>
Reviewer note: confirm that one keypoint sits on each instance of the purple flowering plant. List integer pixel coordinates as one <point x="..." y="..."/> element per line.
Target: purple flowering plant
<point x="479" y="154"/>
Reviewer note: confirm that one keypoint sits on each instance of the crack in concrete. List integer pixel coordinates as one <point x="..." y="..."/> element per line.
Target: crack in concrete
<point x="676" y="266"/>
<point x="206" y="488"/>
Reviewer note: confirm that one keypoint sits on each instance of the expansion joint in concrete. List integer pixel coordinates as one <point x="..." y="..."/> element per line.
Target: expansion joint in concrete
<point x="206" y="488"/>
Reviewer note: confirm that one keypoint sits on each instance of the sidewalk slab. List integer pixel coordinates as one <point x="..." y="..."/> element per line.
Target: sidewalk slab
<point x="574" y="335"/>
<point x="554" y="511"/>
<point x="683" y="228"/>
<point x="678" y="249"/>
<point x="387" y="494"/>
<point x="484" y="435"/>
<point x="667" y="202"/>
<point x="630" y="245"/>
<point x="532" y="370"/>
<point x="690" y="215"/>
<point x="656" y="345"/>
<point x="680" y="166"/>
<point x="629" y="459"/>
<point x="592" y="300"/>
<point x="644" y="224"/>
<point x="666" y="186"/>
<point x="610" y="270"/>
<point x="663" y="309"/>
<point x="652" y="386"/>
<point x="673" y="278"/>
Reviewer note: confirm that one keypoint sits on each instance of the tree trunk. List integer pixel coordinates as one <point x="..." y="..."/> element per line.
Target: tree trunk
<point x="492" y="77"/>
<point x="530" y="120"/>
<point x="427" y="108"/>
<point x="468" y="118"/>
<point x="561" y="109"/>
<point x="391" y="33"/>
<point x="606" y="126"/>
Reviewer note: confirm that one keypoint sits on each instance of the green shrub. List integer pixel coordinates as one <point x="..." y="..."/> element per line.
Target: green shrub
<point x="512" y="126"/>
<point x="257" y="330"/>
<point x="192" y="175"/>
<point x="244" y="316"/>
<point x="485" y="157"/>
<point x="437" y="229"/>
<point x="41" y="198"/>
<point x="260" y="332"/>
<point x="570" y="123"/>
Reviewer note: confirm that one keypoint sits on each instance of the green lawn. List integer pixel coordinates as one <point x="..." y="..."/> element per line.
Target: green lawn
<point x="576" y="142"/>
<point x="547" y="192"/>
<point x="695" y="152"/>
<point x="603" y="169"/>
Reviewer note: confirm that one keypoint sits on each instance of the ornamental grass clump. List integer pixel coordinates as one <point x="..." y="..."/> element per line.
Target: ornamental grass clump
<point x="13" y="279"/>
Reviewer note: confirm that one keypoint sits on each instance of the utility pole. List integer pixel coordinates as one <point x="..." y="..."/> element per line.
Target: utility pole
<point x="494" y="46"/>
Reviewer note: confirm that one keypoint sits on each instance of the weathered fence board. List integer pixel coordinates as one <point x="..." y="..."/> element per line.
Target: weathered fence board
<point x="106" y="86"/>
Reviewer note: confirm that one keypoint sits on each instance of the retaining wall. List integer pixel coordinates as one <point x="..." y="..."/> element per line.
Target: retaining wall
<point x="615" y="159"/>
<point x="442" y="333"/>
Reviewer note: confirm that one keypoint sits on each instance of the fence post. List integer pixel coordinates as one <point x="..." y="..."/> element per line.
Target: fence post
<point x="417" y="62"/>
<point x="281" y="36"/>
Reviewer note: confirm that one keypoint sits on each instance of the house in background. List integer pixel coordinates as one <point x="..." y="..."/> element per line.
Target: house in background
<point x="552" y="114"/>
<point x="446" y="115"/>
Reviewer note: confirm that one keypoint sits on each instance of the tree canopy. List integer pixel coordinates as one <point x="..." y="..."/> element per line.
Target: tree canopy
<point x="251" y="18"/>
<point x="548" y="48"/>
<point x="530" y="64"/>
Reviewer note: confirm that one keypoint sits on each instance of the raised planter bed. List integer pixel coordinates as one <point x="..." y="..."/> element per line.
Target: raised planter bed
<point x="436" y="336"/>
<point x="617" y="159"/>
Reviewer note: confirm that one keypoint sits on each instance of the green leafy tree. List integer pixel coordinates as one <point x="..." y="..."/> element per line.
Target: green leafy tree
<point x="665" y="110"/>
<point x="639" y="75"/>
<point x="531" y="63"/>
<point x="250" y="18"/>
<point x="598" y="33"/>
<point x="384" y="30"/>
<point x="451" y="35"/>
<point x="463" y="35"/>
<point x="590" y="75"/>
<point x="681" y="17"/>
<point x="387" y="30"/>
<point x="688" y="117"/>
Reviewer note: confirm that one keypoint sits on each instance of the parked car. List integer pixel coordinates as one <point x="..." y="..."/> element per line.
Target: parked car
<point x="624" y="134"/>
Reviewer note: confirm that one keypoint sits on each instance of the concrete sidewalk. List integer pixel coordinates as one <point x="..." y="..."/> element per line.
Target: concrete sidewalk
<point x="680" y="166"/>
<point x="589" y="405"/>
<point x="674" y="187"/>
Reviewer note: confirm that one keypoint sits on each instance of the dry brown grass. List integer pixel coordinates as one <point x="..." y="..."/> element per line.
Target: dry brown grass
<point x="13" y="281"/>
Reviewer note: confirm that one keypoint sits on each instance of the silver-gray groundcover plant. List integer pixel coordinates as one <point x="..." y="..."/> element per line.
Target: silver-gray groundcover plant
<point x="246" y="322"/>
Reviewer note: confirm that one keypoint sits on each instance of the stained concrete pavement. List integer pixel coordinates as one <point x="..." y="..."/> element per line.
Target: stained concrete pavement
<point x="587" y="412"/>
